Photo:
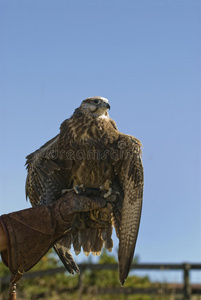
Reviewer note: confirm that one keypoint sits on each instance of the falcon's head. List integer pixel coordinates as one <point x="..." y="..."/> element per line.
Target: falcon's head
<point x="95" y="107"/>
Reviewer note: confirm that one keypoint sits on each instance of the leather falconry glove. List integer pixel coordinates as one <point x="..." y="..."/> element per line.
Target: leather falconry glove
<point x="30" y="233"/>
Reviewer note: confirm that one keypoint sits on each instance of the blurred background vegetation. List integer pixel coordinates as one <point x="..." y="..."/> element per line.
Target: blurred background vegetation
<point x="65" y="286"/>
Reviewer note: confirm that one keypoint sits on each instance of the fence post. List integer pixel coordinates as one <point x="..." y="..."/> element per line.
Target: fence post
<point x="80" y="281"/>
<point x="187" y="286"/>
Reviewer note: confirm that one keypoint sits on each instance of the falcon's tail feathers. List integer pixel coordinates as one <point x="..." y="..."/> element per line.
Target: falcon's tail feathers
<point x="66" y="258"/>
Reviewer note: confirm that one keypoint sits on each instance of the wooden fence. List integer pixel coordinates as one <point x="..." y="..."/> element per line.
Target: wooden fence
<point x="186" y="289"/>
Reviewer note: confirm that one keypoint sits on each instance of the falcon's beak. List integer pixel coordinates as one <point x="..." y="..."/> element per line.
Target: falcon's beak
<point x="105" y="104"/>
<point x="108" y="106"/>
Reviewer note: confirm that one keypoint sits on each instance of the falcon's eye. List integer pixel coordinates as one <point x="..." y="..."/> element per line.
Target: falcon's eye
<point x="96" y="101"/>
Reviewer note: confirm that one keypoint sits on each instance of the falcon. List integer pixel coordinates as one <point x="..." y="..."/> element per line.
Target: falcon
<point x="90" y="154"/>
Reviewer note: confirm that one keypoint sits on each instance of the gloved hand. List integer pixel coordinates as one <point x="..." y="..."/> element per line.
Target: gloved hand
<point x="30" y="233"/>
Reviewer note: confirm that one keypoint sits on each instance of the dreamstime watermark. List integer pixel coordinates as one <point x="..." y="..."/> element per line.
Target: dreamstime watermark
<point x="121" y="153"/>
<point x="85" y="155"/>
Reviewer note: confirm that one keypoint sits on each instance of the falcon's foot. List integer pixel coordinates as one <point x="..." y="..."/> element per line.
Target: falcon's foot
<point x="78" y="189"/>
<point x="108" y="193"/>
<point x="107" y="187"/>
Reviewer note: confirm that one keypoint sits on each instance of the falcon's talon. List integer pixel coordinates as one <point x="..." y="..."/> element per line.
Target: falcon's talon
<point x="79" y="189"/>
<point x="106" y="187"/>
<point x="108" y="193"/>
<point x="75" y="189"/>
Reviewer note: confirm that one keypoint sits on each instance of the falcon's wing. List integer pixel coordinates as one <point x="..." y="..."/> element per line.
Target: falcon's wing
<point x="129" y="170"/>
<point x="47" y="174"/>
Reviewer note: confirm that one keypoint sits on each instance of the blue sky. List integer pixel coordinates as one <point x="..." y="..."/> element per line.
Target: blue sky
<point x="144" y="56"/>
